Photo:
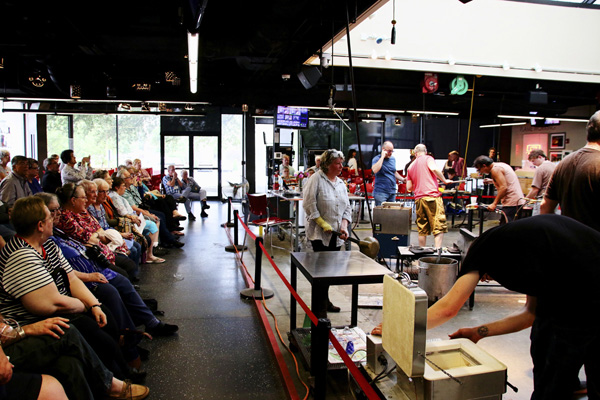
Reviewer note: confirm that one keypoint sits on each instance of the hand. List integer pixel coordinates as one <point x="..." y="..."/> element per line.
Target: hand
<point x="344" y="233"/>
<point x="85" y="160"/>
<point x="97" y="277"/>
<point x="383" y="153"/>
<point x="99" y="316"/>
<point x="135" y="219"/>
<point x="488" y="181"/>
<point x="491" y="207"/>
<point x="52" y="327"/>
<point x="6" y="370"/>
<point x="127" y="235"/>
<point x="467" y="333"/>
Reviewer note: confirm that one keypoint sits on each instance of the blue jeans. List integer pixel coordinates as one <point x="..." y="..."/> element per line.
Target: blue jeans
<point x="138" y="311"/>
<point x="382" y="197"/>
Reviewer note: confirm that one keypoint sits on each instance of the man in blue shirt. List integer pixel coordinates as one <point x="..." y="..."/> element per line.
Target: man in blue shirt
<point x="384" y="168"/>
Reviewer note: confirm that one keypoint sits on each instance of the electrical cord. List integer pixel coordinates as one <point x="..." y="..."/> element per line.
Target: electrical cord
<point x="274" y="319"/>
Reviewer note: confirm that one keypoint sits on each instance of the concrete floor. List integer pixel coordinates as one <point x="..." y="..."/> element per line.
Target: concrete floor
<point x="221" y="351"/>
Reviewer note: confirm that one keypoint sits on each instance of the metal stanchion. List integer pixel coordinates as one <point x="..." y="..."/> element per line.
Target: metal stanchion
<point x="229" y="224"/>
<point x="235" y="246"/>
<point x="318" y="356"/>
<point x="257" y="291"/>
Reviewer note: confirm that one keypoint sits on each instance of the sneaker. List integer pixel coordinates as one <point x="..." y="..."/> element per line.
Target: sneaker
<point x="181" y="199"/>
<point x="192" y="217"/>
<point x="203" y="214"/>
<point x="205" y="206"/>
<point x="176" y="244"/>
<point x="163" y="329"/>
<point x="180" y="217"/>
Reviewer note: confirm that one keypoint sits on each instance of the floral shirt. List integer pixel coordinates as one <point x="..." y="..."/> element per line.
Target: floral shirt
<point x="81" y="226"/>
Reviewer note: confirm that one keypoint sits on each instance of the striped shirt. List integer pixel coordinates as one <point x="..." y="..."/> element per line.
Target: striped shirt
<point x="23" y="270"/>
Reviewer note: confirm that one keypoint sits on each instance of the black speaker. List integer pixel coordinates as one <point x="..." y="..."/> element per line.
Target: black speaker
<point x="309" y="77"/>
<point x="538" y="97"/>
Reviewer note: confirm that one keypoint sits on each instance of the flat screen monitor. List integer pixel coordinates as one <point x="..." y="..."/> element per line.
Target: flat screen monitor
<point x="292" y="117"/>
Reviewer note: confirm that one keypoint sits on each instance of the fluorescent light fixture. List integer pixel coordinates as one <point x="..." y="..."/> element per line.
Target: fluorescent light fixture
<point x="571" y="120"/>
<point x="499" y="125"/>
<point x="65" y="100"/>
<point x="379" y="110"/>
<point x="193" y="44"/>
<point x="433" y="112"/>
<point x="328" y="119"/>
<point x="519" y="117"/>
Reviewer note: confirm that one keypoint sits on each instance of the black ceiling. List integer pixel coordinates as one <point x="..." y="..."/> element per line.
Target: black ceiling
<point x="245" y="48"/>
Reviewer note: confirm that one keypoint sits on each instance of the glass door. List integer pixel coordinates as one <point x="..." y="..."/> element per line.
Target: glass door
<point x="197" y="153"/>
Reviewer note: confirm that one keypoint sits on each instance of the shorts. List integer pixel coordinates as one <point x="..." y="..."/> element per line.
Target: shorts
<point x="431" y="216"/>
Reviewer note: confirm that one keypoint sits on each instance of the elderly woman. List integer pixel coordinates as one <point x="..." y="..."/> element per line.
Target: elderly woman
<point x="141" y="173"/>
<point x="39" y="283"/>
<point x="124" y="209"/>
<point x="77" y="223"/>
<point x="4" y="160"/>
<point x="113" y="289"/>
<point x="327" y="208"/>
<point x="97" y="211"/>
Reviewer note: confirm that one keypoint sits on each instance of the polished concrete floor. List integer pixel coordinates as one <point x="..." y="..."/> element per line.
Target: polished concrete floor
<point x="221" y="351"/>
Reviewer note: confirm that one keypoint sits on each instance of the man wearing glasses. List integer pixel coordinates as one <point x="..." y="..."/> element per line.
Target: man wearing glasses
<point x="15" y="185"/>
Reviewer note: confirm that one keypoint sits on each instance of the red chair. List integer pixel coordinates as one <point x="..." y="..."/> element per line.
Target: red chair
<point x="155" y="181"/>
<point x="369" y="188"/>
<point x="258" y="206"/>
<point x="352" y="188"/>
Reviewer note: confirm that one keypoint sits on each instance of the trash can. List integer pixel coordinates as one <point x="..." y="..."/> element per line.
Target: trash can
<point x="436" y="276"/>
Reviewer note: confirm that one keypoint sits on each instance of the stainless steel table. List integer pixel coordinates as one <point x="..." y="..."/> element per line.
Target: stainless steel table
<point x="322" y="270"/>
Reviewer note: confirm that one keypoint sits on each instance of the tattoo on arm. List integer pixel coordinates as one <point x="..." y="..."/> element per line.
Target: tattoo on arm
<point x="483" y="331"/>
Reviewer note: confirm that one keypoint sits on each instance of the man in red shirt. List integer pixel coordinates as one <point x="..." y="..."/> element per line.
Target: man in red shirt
<point x="422" y="180"/>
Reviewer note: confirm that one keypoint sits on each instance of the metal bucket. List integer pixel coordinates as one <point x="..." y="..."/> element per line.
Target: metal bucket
<point x="436" y="276"/>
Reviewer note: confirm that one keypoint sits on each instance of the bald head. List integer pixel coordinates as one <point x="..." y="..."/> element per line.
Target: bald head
<point x="593" y="128"/>
<point x="420" y="149"/>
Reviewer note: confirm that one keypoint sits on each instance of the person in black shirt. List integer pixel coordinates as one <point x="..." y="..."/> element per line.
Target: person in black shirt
<point x="51" y="179"/>
<point x="564" y="332"/>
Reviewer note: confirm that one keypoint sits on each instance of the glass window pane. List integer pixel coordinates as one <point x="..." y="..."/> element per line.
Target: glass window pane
<point x="206" y="163"/>
<point x="177" y="151"/>
<point x="95" y="136"/>
<point x="139" y="137"/>
<point x="57" y="134"/>
<point x="231" y="152"/>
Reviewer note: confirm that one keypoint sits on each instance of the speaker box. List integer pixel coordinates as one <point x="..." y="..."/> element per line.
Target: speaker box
<point x="538" y="97"/>
<point x="309" y="77"/>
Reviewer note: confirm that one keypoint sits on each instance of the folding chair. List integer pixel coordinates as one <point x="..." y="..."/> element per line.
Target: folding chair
<point x="258" y="205"/>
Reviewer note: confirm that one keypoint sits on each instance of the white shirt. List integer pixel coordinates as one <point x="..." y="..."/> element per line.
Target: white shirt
<point x="326" y="199"/>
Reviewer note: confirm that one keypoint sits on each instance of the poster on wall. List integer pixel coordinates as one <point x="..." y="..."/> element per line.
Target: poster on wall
<point x="557" y="141"/>
<point x="556" y="156"/>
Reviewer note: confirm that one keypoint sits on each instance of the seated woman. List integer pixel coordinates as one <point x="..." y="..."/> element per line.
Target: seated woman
<point x="128" y="307"/>
<point x="98" y="212"/>
<point x="77" y="223"/>
<point x="38" y="283"/>
<point x="124" y="209"/>
<point x="141" y="173"/>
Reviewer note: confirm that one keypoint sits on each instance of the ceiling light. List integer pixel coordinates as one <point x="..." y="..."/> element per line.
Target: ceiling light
<point x="75" y="91"/>
<point x="37" y="81"/>
<point x="124" y="107"/>
<point x="193" y="46"/>
<point x="519" y="117"/>
<point x="572" y="120"/>
<point x="499" y="125"/>
<point x="189" y="107"/>
<point x="379" y="110"/>
<point x="142" y="87"/>
<point x="374" y="55"/>
<point x="434" y="112"/>
<point x="388" y="56"/>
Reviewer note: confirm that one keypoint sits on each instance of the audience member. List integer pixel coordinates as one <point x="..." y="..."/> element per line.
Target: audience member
<point x="32" y="176"/>
<point x="15" y="186"/>
<point x="69" y="173"/>
<point x="196" y="193"/>
<point x="174" y="186"/>
<point x="51" y="179"/>
<point x="4" y="160"/>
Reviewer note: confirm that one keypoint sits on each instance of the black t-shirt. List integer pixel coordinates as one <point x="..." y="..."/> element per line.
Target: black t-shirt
<point x="551" y="257"/>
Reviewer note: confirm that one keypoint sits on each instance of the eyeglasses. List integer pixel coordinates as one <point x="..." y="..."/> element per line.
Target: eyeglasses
<point x="54" y="210"/>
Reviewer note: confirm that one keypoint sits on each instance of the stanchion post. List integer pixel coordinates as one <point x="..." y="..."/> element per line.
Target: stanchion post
<point x="229" y="223"/>
<point x="318" y="356"/>
<point x="257" y="291"/>
<point x="235" y="246"/>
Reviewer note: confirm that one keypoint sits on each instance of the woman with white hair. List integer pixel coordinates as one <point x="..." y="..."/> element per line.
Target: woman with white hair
<point x="327" y="210"/>
<point x="4" y="160"/>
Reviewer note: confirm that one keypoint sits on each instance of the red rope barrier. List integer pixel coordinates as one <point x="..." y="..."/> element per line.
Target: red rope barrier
<point x="360" y="379"/>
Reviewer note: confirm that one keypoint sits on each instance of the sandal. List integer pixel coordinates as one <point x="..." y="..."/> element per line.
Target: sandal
<point x="131" y="391"/>
<point x="155" y="260"/>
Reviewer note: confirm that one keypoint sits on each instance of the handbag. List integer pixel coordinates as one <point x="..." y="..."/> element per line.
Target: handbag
<point x="94" y="253"/>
